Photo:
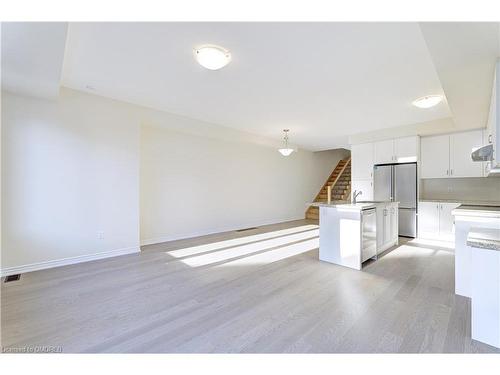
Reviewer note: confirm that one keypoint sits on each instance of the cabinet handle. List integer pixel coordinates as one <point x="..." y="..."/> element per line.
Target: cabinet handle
<point x="490" y="139"/>
<point x="441" y="207"/>
<point x="451" y="172"/>
<point x="447" y="172"/>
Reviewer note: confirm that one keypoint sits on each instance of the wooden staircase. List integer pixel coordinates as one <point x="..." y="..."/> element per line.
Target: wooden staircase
<point x="340" y="182"/>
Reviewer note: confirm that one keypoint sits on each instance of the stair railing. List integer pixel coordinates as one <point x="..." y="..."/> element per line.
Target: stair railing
<point x="329" y="188"/>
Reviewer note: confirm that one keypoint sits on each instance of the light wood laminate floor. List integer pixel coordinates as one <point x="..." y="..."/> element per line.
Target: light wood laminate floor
<point x="261" y="290"/>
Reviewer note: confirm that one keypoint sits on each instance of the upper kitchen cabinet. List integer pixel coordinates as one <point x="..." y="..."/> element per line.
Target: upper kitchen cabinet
<point x="398" y="150"/>
<point x="362" y="161"/>
<point x="406" y="149"/>
<point x="435" y="156"/>
<point x="461" y="147"/>
<point x="449" y="156"/>
<point x="384" y="151"/>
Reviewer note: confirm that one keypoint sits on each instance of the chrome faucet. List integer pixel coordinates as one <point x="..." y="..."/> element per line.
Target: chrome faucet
<point x="355" y="195"/>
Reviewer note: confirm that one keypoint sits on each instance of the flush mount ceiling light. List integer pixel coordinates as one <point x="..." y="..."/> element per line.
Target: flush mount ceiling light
<point x="285" y="151"/>
<point x="427" y="101"/>
<point x="212" y="57"/>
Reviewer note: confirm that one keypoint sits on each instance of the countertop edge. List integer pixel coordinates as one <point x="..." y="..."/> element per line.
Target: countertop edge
<point x="476" y="211"/>
<point x="484" y="238"/>
<point x="464" y="202"/>
<point x="349" y="206"/>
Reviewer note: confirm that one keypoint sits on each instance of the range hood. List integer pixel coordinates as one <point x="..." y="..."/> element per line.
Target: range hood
<point x="484" y="153"/>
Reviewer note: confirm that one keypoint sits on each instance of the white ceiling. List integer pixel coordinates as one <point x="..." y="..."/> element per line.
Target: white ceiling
<point x="32" y="57"/>
<point x="464" y="55"/>
<point x="324" y="81"/>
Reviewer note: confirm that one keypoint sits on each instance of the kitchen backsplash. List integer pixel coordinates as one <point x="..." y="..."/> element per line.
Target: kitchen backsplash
<point x="481" y="188"/>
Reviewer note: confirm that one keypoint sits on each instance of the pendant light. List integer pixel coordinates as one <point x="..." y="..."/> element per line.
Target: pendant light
<point x="286" y="150"/>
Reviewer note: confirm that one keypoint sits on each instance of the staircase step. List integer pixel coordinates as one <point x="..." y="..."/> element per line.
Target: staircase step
<point x="340" y="183"/>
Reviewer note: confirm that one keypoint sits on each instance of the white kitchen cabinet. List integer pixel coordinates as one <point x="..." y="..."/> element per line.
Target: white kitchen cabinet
<point x="397" y="150"/>
<point x="461" y="147"/>
<point x="387" y="226"/>
<point x="384" y="151"/>
<point x="449" y="155"/>
<point x="435" y="220"/>
<point x="446" y="224"/>
<point x="394" y="214"/>
<point x="406" y="149"/>
<point x="435" y="156"/>
<point x="362" y="161"/>
<point x="366" y="188"/>
<point x="428" y="219"/>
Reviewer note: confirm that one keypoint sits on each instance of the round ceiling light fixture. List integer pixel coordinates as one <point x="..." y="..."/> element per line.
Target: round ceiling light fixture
<point x="427" y="101"/>
<point x="286" y="150"/>
<point x="212" y="57"/>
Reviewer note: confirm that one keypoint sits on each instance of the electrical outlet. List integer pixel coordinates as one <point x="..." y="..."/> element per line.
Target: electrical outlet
<point x="450" y="189"/>
<point x="100" y="235"/>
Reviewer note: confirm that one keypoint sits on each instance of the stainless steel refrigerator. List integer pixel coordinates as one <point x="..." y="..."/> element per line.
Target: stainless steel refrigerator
<point x="398" y="182"/>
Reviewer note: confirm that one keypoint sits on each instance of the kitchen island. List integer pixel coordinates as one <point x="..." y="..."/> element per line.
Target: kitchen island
<point x="477" y="268"/>
<point x="350" y="234"/>
<point x="467" y="217"/>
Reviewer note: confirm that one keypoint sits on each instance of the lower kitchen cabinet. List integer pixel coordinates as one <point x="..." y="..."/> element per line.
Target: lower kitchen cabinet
<point x="387" y="226"/>
<point x="435" y="220"/>
<point x="394" y="215"/>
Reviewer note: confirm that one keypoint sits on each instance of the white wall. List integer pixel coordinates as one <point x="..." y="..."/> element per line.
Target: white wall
<point x="69" y="170"/>
<point x="192" y="185"/>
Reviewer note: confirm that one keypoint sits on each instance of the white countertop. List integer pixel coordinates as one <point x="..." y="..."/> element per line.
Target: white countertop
<point x="477" y="211"/>
<point x="467" y="202"/>
<point x="347" y="206"/>
<point x="484" y="238"/>
<point x="350" y="206"/>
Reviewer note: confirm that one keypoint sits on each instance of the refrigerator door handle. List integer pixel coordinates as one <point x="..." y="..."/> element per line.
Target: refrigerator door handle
<point x="393" y="185"/>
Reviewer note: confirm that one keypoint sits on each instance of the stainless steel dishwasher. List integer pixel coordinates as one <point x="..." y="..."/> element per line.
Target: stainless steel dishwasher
<point x="368" y="234"/>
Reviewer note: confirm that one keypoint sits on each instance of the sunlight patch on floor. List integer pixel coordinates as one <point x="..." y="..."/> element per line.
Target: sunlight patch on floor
<point x="234" y="252"/>
<point x="189" y="251"/>
<point x="407" y="251"/>
<point x="430" y="243"/>
<point x="275" y="255"/>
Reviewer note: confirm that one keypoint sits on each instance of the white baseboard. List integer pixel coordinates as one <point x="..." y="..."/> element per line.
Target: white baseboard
<point x="160" y="239"/>
<point x="67" y="261"/>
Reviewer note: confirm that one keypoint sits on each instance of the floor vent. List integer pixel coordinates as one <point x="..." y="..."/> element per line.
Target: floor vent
<point x="10" y="278"/>
<point x="245" y="229"/>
